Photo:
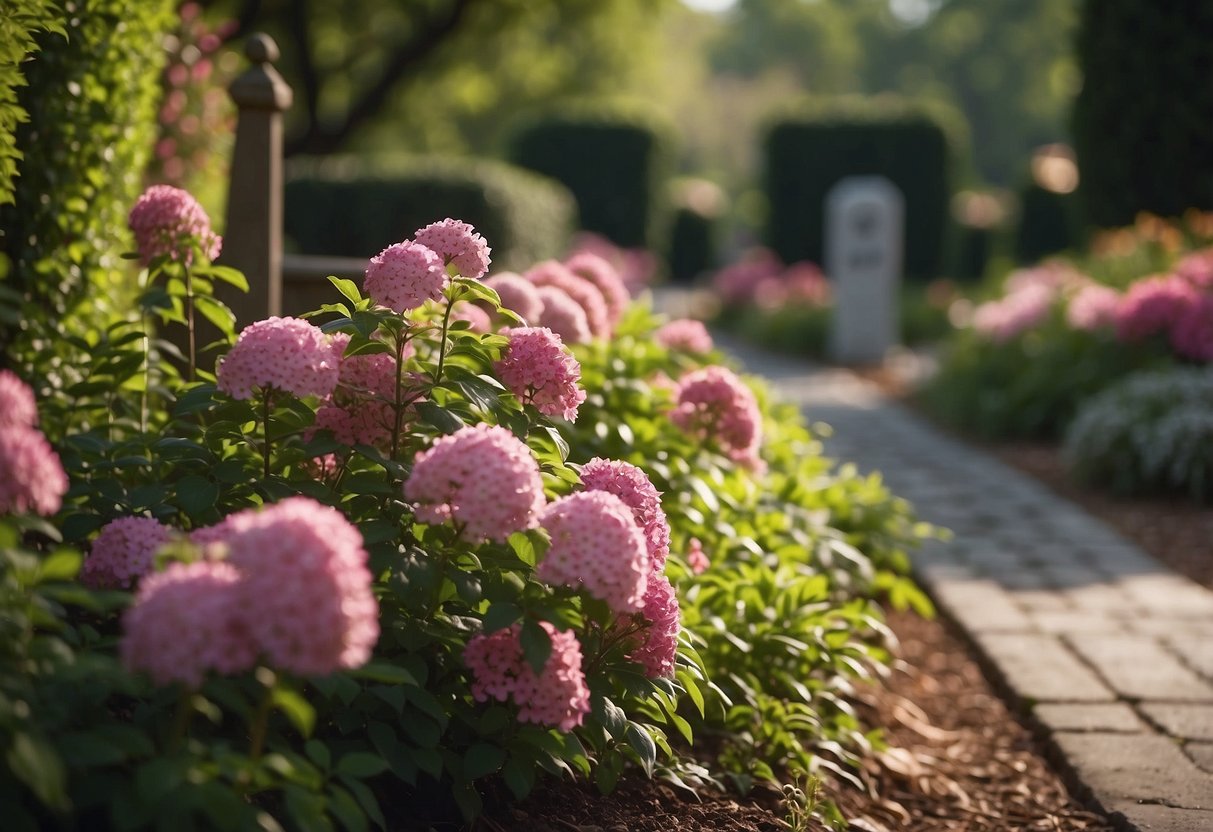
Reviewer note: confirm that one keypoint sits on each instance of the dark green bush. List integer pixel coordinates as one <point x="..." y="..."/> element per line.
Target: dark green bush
<point x="807" y="153"/>
<point x="1143" y="122"/>
<point x="1048" y="224"/>
<point x="357" y="207"/>
<point x="91" y="99"/>
<point x="612" y="160"/>
<point x="692" y="244"/>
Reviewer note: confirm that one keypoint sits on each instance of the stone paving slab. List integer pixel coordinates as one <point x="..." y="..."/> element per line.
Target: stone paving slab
<point x="1111" y="651"/>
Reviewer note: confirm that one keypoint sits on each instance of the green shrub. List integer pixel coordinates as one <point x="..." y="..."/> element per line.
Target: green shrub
<point x="692" y="249"/>
<point x="1048" y="224"/>
<point x="807" y="153"/>
<point x="20" y="22"/>
<point x="91" y="99"/>
<point x="1143" y="121"/>
<point x="348" y="207"/>
<point x="614" y="161"/>
<point x="1149" y="434"/>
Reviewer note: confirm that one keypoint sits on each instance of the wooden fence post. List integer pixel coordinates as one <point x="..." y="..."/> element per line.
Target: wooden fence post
<point x="252" y="237"/>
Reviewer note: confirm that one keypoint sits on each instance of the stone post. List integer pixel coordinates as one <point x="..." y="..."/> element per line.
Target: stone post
<point x="252" y="238"/>
<point x="864" y="240"/>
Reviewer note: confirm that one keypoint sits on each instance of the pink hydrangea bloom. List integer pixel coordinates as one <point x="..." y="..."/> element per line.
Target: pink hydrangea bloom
<point x="713" y="403"/>
<point x="17" y="406"/>
<point x="1016" y="313"/>
<point x="684" y="334"/>
<point x="185" y="622"/>
<point x="1093" y="307"/>
<point x="658" y="642"/>
<point x="458" y="244"/>
<point x="1152" y="306"/>
<point x="517" y="295"/>
<point x="31" y="475"/>
<point x="596" y="544"/>
<point x="305" y="586"/>
<point x="636" y="266"/>
<point x="606" y="280"/>
<point x="804" y="282"/>
<point x="405" y="275"/>
<point x="164" y="219"/>
<point x="361" y="408"/>
<point x="632" y="485"/>
<point x="474" y="315"/>
<point x="1192" y="334"/>
<point x="737" y="282"/>
<point x="123" y="552"/>
<point x="1197" y="269"/>
<point x="1053" y="275"/>
<point x="563" y="315"/>
<point x="557" y="696"/>
<point x="584" y="293"/>
<point x="696" y="559"/>
<point x="481" y="476"/>
<point x="540" y="371"/>
<point x="286" y="354"/>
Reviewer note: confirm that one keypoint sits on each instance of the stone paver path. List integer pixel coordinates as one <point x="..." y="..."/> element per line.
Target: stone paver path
<point x="1110" y="651"/>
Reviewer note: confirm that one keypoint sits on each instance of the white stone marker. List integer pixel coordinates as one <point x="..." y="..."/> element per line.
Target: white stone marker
<point x="863" y="253"/>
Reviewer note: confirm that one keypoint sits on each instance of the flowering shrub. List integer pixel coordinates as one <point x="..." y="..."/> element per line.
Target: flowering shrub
<point x="1151" y="433"/>
<point x="337" y="624"/>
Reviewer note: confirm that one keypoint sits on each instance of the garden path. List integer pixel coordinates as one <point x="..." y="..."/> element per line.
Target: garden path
<point x="1108" y="651"/>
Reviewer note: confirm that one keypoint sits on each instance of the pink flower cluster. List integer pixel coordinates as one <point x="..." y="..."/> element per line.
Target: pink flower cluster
<point x="405" y="275"/>
<point x="713" y="403"/>
<point x="458" y="244"/>
<point x="1093" y="307"/>
<point x="294" y="589"/>
<point x="563" y="315"/>
<point x="685" y="335"/>
<point x="1015" y="313"/>
<point x="605" y="278"/>
<point x="557" y="696"/>
<point x="31" y="475"/>
<point x="518" y="295"/>
<point x="289" y="355"/>
<point x="482" y="477"/>
<point x="184" y="623"/>
<point x="17" y="407"/>
<point x="167" y="220"/>
<point x="1152" y="306"/>
<point x="696" y="559"/>
<point x="1192" y="334"/>
<point x="1197" y="269"/>
<point x="361" y="409"/>
<point x="632" y="485"/>
<point x="596" y="544"/>
<point x="760" y="278"/>
<point x="537" y="368"/>
<point x="635" y="266"/>
<point x="556" y="275"/>
<point x="657" y="644"/>
<point x="124" y="552"/>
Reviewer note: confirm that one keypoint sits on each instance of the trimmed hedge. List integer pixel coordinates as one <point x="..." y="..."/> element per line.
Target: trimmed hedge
<point x="692" y="248"/>
<point x="1143" y="122"/>
<point x="808" y="153"/>
<point x="91" y="99"/>
<point x="343" y="206"/>
<point x="613" y="160"/>
<point x="1048" y="224"/>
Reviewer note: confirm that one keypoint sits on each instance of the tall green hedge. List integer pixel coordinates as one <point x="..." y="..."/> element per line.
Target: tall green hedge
<point x="351" y="207"/>
<point x="614" y="160"/>
<point x="1143" y="122"/>
<point x="20" y="23"/>
<point x="808" y="152"/>
<point x="1048" y="223"/>
<point x="91" y="98"/>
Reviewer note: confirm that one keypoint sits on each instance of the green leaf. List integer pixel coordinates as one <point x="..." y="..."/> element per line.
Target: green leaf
<point x="34" y="762"/>
<point x="385" y="672"/>
<point x="438" y="417"/>
<point x="346" y="809"/>
<point x="227" y="274"/>
<point x="62" y="565"/>
<point x="523" y="547"/>
<point x="306" y="809"/>
<point x="642" y="743"/>
<point x="500" y="616"/>
<point x="297" y="709"/>
<point x="347" y="287"/>
<point x="519" y="777"/>
<point x="536" y="644"/>
<point x="482" y="759"/>
<point x="217" y="313"/>
<point x="318" y="753"/>
<point x="196" y="494"/>
<point x="360" y="765"/>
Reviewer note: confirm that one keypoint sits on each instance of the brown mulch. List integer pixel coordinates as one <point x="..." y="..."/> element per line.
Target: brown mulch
<point x="958" y="761"/>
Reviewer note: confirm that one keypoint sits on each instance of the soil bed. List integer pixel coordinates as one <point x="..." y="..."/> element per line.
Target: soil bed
<point x="958" y="760"/>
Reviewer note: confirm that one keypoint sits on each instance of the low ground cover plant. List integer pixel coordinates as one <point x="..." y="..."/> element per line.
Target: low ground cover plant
<point x="400" y="558"/>
<point x="1056" y="334"/>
